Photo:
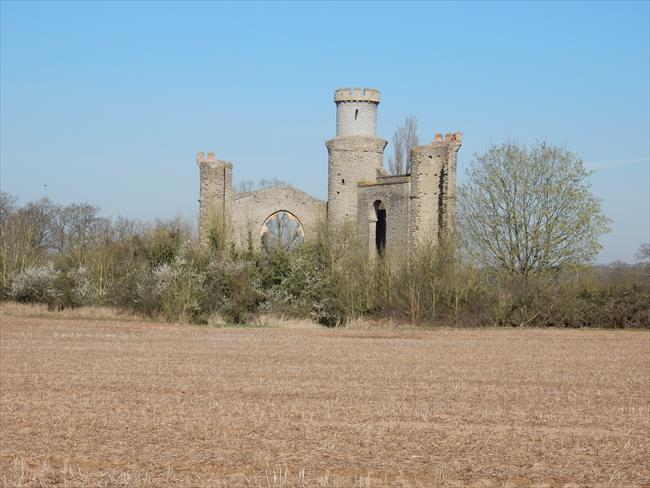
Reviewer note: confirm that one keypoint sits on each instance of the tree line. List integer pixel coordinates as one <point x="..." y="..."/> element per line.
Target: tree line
<point x="528" y="229"/>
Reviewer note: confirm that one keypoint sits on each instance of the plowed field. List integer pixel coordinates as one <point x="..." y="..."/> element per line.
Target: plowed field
<point x="106" y="403"/>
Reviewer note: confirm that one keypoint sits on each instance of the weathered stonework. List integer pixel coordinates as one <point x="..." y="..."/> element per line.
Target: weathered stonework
<point x="352" y="160"/>
<point x="216" y="194"/>
<point x="433" y="186"/>
<point x="250" y="211"/>
<point x="393" y="214"/>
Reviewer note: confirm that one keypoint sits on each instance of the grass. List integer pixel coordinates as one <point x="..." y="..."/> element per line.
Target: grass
<point x="39" y="310"/>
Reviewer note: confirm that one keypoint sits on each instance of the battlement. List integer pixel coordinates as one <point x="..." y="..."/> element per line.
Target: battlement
<point x="202" y="158"/>
<point x="449" y="137"/>
<point x="357" y="95"/>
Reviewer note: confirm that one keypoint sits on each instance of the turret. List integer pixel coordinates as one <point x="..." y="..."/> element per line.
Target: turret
<point x="433" y="189"/>
<point x="355" y="154"/>
<point x="215" y="196"/>
<point x="356" y="111"/>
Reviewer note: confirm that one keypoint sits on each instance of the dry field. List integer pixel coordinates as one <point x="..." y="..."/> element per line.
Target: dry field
<point x="126" y="404"/>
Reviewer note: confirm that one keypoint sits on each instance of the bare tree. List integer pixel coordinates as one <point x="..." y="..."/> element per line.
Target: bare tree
<point x="247" y="186"/>
<point x="82" y="228"/>
<point x="282" y="232"/>
<point x="643" y="254"/>
<point x="404" y="138"/>
<point x="530" y="210"/>
<point x="7" y="206"/>
<point x="26" y="236"/>
<point x="263" y="184"/>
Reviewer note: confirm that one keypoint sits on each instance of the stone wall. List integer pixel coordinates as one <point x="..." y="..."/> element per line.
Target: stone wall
<point x="356" y="119"/>
<point x="447" y="210"/>
<point x="351" y="160"/>
<point x="433" y="177"/>
<point x="250" y="211"/>
<point x="215" y="194"/>
<point x="394" y="193"/>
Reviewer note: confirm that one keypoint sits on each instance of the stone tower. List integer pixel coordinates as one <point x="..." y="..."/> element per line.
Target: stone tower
<point x="356" y="154"/>
<point x="433" y="189"/>
<point x="216" y="195"/>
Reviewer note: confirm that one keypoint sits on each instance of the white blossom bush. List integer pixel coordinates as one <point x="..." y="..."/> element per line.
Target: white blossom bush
<point x="177" y="287"/>
<point x="84" y="289"/>
<point x="232" y="288"/>
<point x="306" y="291"/>
<point x="36" y="284"/>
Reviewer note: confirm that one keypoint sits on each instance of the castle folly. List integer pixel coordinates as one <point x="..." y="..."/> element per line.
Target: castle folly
<point x="391" y="213"/>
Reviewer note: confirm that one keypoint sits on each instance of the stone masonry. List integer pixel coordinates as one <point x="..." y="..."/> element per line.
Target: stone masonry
<point x="392" y="214"/>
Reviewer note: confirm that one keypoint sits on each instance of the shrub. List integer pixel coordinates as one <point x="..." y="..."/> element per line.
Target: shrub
<point x="159" y="270"/>
<point x="177" y="287"/>
<point x="36" y="284"/>
<point x="232" y="288"/>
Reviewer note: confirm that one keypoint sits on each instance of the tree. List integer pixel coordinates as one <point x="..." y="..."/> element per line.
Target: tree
<point x="25" y="234"/>
<point x="404" y="138"/>
<point x="7" y="206"/>
<point x="247" y="186"/>
<point x="281" y="232"/>
<point x="643" y="254"/>
<point x="530" y="210"/>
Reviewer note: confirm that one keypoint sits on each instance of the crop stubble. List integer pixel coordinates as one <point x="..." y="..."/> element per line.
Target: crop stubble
<point x="107" y="403"/>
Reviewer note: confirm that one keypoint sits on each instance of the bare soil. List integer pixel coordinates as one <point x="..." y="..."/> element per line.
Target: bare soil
<point x="115" y="403"/>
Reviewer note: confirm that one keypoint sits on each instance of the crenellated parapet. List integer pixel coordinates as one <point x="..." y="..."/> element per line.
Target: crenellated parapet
<point x="456" y="137"/>
<point x="356" y="112"/>
<point x="202" y="158"/>
<point x="369" y="95"/>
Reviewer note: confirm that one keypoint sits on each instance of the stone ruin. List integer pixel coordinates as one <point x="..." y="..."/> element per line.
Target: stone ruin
<point x="391" y="213"/>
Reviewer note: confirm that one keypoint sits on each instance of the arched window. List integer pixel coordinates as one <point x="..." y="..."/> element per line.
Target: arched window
<point x="380" y="227"/>
<point x="281" y="231"/>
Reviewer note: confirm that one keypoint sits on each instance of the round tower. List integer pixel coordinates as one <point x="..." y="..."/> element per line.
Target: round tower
<point x="356" y="111"/>
<point x="355" y="154"/>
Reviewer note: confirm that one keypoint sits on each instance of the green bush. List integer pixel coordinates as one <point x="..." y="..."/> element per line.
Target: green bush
<point x="232" y="288"/>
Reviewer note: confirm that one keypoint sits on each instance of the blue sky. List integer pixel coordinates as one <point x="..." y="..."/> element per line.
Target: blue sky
<point x="108" y="103"/>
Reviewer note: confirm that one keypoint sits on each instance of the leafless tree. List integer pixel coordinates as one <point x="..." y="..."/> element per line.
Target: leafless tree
<point x="643" y="254"/>
<point x="404" y="138"/>
<point x="26" y="234"/>
<point x="282" y="232"/>
<point x="7" y="206"/>
<point x="263" y="184"/>
<point x="530" y="210"/>
<point x="246" y="186"/>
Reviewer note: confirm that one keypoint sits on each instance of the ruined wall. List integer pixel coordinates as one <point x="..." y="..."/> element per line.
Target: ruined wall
<point x="250" y="211"/>
<point x="420" y="207"/>
<point x="394" y="192"/>
<point x="215" y="195"/>
<point x="433" y="167"/>
<point x="447" y="211"/>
